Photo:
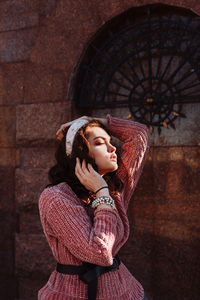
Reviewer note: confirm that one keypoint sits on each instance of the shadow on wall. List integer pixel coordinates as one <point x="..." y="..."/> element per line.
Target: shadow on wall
<point x="163" y="248"/>
<point x="168" y="269"/>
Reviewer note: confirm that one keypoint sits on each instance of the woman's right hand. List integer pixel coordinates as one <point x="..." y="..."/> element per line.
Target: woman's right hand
<point x="91" y="179"/>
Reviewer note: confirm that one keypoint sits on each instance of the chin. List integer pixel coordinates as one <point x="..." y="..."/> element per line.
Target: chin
<point x="110" y="170"/>
<point x="114" y="168"/>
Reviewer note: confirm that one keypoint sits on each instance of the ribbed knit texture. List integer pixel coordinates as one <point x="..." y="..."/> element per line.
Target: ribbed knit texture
<point x="74" y="236"/>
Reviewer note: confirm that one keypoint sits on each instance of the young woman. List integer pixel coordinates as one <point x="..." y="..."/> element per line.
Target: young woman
<point x="84" y="210"/>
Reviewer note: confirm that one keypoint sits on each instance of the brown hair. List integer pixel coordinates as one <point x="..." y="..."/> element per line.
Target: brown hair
<point x="64" y="170"/>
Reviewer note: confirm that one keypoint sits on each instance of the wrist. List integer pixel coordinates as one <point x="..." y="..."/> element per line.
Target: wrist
<point x="104" y="192"/>
<point x="104" y="200"/>
<point x="103" y="189"/>
<point x="103" y="205"/>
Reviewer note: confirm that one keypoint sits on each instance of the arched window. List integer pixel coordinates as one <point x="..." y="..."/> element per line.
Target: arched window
<point x="147" y="59"/>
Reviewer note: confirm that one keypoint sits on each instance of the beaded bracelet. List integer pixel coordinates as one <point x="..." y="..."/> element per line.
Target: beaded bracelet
<point x="103" y="200"/>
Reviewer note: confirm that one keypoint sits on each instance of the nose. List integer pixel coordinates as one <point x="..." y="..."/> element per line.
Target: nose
<point x="111" y="148"/>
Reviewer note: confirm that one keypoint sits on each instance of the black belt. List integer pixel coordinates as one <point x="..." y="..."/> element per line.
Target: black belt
<point x="88" y="273"/>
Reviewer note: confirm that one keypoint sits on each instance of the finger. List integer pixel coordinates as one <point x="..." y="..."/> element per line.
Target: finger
<point x="84" y="166"/>
<point x="59" y="135"/>
<point x="60" y="132"/>
<point x="63" y="126"/>
<point x="91" y="169"/>
<point x="84" y="118"/>
<point x="78" y="165"/>
<point x="78" y="169"/>
<point x="68" y="124"/>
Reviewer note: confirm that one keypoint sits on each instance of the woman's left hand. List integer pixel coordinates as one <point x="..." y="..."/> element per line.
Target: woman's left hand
<point x="91" y="179"/>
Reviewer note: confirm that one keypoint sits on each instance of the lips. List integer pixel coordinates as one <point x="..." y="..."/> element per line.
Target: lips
<point x="113" y="157"/>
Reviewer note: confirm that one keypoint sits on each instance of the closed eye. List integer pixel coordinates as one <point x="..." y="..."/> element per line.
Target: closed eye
<point x="99" y="142"/>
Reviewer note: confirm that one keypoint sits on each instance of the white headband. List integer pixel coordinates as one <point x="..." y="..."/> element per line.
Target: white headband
<point x="73" y="129"/>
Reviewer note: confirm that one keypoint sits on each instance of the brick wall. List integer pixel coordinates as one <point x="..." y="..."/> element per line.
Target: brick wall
<point x="41" y="44"/>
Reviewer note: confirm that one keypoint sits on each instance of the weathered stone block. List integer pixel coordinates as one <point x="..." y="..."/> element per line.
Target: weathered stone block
<point x="187" y="129"/>
<point x="7" y="128"/>
<point x="136" y="256"/>
<point x="47" y="7"/>
<point x="53" y="43"/>
<point x="176" y="153"/>
<point x="18" y="14"/>
<point x="7" y="157"/>
<point x="6" y="257"/>
<point x="44" y="85"/>
<point x="33" y="256"/>
<point x="159" y="179"/>
<point x="11" y="83"/>
<point x="175" y="265"/>
<point x="7" y="189"/>
<point x="57" y="53"/>
<point x="8" y="287"/>
<point x="42" y="157"/>
<point x="160" y="154"/>
<point x="7" y="224"/>
<point x="176" y="187"/>
<point x="28" y="288"/>
<point x="16" y="45"/>
<point x="191" y="156"/>
<point x="38" y="123"/>
<point x="191" y="160"/>
<point x="29" y="222"/>
<point x="145" y="187"/>
<point x="6" y="244"/>
<point x="173" y="232"/>
<point x="29" y="185"/>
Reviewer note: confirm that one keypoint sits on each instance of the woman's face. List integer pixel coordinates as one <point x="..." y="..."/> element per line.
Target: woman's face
<point x="101" y="150"/>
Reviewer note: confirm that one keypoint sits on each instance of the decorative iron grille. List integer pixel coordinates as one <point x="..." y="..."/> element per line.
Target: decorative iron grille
<point x="148" y="62"/>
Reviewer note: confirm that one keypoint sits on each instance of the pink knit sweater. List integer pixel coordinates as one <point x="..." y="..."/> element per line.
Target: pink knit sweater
<point x="74" y="236"/>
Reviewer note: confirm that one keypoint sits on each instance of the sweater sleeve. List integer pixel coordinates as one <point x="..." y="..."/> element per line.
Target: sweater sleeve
<point x="71" y="225"/>
<point x="135" y="146"/>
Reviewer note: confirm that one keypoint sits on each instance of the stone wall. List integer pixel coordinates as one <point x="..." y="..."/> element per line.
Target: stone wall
<point x="41" y="44"/>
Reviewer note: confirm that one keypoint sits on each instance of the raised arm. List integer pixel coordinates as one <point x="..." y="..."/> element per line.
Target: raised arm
<point x="135" y="138"/>
<point x="66" y="220"/>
